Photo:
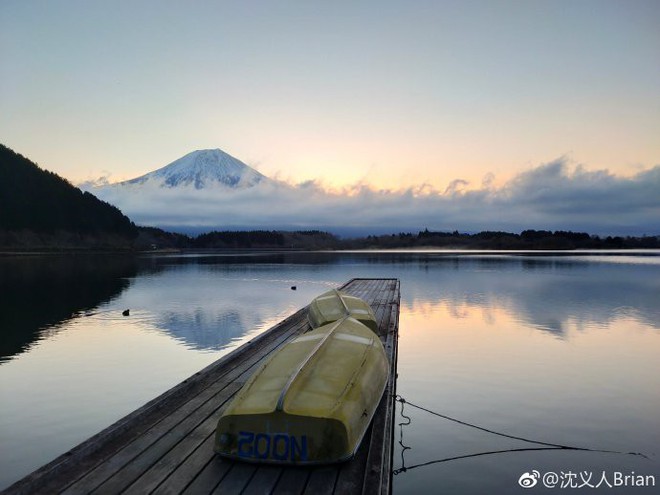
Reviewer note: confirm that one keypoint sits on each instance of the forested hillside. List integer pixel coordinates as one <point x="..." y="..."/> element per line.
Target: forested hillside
<point x="40" y="209"/>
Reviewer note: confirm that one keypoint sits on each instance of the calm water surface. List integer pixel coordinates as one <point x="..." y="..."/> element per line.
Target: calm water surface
<point x="560" y="348"/>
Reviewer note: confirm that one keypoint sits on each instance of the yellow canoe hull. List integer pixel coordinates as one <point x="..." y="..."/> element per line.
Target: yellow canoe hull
<point x="312" y="402"/>
<point x="334" y="304"/>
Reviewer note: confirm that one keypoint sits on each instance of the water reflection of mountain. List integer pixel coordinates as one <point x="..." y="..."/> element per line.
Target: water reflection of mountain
<point x="38" y="292"/>
<point x="544" y="293"/>
<point x="207" y="305"/>
<point x="202" y="330"/>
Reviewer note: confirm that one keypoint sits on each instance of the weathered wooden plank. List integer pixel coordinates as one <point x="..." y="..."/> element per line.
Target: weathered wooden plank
<point x="237" y="479"/>
<point x="381" y="311"/>
<point x="209" y="477"/>
<point x="378" y="468"/>
<point x="322" y="480"/>
<point x="127" y="468"/>
<point x="365" y="288"/>
<point x="378" y="471"/>
<point x="149" y="470"/>
<point x="388" y="459"/>
<point x="188" y="470"/>
<point x="264" y="480"/>
<point x="351" y="474"/>
<point x="292" y="481"/>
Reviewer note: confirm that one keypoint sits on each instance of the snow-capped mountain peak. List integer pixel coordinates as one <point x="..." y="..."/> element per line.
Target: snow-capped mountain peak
<point x="201" y="169"/>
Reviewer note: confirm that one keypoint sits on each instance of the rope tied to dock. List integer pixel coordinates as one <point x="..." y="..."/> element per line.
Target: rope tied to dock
<point x="546" y="445"/>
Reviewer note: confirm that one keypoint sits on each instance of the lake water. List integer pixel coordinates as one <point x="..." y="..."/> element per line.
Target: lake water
<point x="563" y="348"/>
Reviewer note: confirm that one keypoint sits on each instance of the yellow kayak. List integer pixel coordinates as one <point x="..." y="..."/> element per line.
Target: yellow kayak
<point x="334" y="305"/>
<point x="312" y="402"/>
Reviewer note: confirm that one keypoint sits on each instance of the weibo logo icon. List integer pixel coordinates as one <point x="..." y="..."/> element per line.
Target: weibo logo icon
<point x="529" y="480"/>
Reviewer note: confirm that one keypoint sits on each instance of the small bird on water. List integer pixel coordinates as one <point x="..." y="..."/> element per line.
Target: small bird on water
<point x="126" y="312"/>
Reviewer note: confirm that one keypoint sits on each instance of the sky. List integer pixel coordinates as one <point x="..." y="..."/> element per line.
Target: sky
<point x="393" y="95"/>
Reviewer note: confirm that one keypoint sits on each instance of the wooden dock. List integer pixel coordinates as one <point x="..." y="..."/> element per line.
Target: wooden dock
<point x="166" y="446"/>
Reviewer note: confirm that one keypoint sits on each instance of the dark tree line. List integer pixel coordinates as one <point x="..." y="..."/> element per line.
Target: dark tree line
<point x="240" y="239"/>
<point x="39" y="201"/>
<point x="315" y="239"/>
<point x="527" y="239"/>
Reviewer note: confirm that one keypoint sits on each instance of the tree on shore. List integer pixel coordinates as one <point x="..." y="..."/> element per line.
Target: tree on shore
<point x="38" y="203"/>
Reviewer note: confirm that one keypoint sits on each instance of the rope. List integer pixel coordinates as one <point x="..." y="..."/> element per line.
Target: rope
<point x="403" y="447"/>
<point x="547" y="445"/>
<point x="467" y="456"/>
<point x="538" y="442"/>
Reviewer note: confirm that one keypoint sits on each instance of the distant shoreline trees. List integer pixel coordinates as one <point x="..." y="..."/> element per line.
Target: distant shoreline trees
<point x="316" y="239"/>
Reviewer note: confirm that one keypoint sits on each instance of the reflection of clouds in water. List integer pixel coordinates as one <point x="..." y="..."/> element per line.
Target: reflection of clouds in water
<point x="550" y="305"/>
<point x="459" y="311"/>
<point x="543" y="294"/>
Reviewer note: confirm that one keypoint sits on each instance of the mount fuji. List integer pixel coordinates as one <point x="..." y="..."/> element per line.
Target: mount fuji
<point x="201" y="191"/>
<point x="201" y="169"/>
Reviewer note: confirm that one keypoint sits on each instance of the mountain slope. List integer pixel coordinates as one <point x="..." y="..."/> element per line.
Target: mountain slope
<point x="202" y="169"/>
<point x="41" y="202"/>
<point x="199" y="192"/>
